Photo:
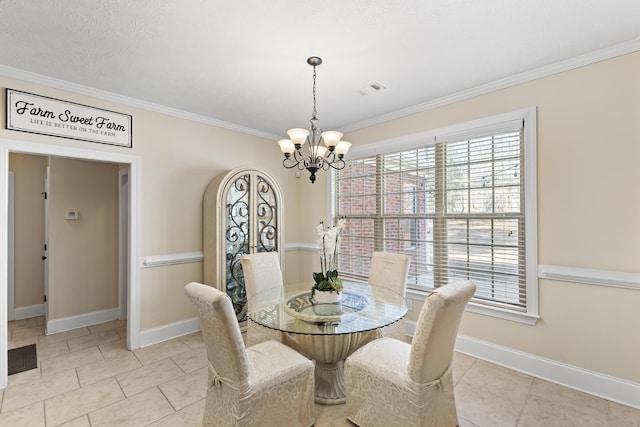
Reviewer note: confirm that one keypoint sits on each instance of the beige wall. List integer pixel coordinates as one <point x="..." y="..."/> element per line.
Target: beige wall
<point x="588" y="207"/>
<point x="588" y="210"/>
<point x="29" y="172"/>
<point x="83" y="253"/>
<point x="178" y="159"/>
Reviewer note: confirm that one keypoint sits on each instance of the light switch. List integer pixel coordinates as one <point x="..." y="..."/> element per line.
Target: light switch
<point x="71" y="215"/>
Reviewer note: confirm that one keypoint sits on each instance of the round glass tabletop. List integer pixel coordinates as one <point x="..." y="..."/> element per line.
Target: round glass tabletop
<point x="363" y="308"/>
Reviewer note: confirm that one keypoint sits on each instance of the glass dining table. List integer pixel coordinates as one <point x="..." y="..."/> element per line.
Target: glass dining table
<point x="327" y="333"/>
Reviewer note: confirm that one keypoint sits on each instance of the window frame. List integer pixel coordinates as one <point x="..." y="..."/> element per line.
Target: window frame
<point x="469" y="130"/>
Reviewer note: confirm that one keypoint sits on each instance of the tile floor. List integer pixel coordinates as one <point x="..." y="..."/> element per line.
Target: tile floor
<point x="87" y="377"/>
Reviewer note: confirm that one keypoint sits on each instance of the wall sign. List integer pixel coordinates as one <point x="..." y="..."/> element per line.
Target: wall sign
<point x="27" y="112"/>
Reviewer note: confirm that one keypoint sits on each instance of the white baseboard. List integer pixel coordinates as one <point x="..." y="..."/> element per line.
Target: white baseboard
<point x="597" y="384"/>
<point x="169" y="331"/>
<point x="80" y="321"/>
<point x="29" y="311"/>
<point x="607" y="387"/>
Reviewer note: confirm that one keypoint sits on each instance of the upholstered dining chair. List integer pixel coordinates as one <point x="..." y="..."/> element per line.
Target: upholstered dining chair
<point x="393" y="383"/>
<point x="268" y="384"/>
<point x="261" y="272"/>
<point x="390" y="270"/>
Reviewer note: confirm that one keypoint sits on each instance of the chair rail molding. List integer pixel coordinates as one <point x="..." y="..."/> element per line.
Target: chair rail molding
<point x="616" y="279"/>
<point x="170" y="259"/>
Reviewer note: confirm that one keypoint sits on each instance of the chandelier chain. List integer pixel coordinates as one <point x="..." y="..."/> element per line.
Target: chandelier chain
<point x="315" y="113"/>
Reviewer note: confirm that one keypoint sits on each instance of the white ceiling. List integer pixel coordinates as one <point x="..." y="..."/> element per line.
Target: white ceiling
<point x="242" y="63"/>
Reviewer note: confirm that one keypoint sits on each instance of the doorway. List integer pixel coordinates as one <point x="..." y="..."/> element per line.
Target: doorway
<point x="131" y="164"/>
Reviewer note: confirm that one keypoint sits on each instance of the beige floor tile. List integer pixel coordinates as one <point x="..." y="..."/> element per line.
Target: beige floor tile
<point x="186" y="390"/>
<point x="331" y="416"/>
<point x="51" y="349"/>
<point x="191" y="360"/>
<point x="22" y="342"/>
<point x="139" y="410"/>
<point x="22" y="323"/>
<point x="489" y="395"/>
<point x="26" y="394"/>
<point x="25" y="377"/>
<point x="92" y="340"/>
<point x="73" y="360"/>
<point x="97" y="371"/>
<point x="193" y="340"/>
<point x="461" y="364"/>
<point x="62" y="336"/>
<point x="122" y="331"/>
<point x="82" y="421"/>
<point x="149" y="376"/>
<point x="107" y="326"/>
<point x="624" y="416"/>
<point x="464" y="423"/>
<point x="160" y="351"/>
<point x="191" y="416"/>
<point x="29" y="416"/>
<point x="551" y="405"/>
<point x="74" y="404"/>
<point x="114" y="348"/>
<point x="29" y="331"/>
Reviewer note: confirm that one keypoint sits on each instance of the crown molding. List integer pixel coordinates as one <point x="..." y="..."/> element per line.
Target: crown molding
<point x="549" y="70"/>
<point x="559" y="67"/>
<point x="125" y="100"/>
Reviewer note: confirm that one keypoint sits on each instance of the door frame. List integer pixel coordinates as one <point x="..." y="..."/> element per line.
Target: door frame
<point x="11" y="312"/>
<point x="133" y="245"/>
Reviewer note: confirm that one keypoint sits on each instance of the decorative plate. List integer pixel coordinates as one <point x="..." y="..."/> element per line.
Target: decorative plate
<point x="301" y="307"/>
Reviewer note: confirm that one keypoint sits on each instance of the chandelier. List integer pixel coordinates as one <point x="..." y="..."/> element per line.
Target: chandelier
<point x="317" y="157"/>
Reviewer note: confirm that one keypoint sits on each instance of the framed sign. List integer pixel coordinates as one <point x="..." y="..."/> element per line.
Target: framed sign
<point x="27" y="112"/>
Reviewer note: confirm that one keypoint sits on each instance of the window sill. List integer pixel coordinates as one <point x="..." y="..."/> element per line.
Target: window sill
<point x="473" y="307"/>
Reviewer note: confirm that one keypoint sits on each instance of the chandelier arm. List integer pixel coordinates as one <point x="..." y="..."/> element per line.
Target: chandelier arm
<point x="338" y="164"/>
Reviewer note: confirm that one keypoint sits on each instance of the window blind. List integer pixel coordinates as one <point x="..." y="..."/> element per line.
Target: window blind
<point x="456" y="207"/>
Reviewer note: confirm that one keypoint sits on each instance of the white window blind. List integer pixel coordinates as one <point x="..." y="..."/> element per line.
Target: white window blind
<point x="457" y="207"/>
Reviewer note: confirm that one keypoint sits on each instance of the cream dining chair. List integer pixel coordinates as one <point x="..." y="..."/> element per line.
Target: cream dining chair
<point x="261" y="272"/>
<point x="390" y="270"/>
<point x="268" y="384"/>
<point x="393" y="383"/>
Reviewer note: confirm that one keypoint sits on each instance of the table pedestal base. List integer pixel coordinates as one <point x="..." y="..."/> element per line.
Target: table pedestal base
<point x="329" y="352"/>
<point x="330" y="389"/>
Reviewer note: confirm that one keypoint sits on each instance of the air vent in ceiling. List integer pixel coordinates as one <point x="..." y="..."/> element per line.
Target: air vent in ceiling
<point x="369" y="89"/>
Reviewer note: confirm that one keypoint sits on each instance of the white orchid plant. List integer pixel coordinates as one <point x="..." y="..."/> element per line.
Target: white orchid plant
<point x="328" y="241"/>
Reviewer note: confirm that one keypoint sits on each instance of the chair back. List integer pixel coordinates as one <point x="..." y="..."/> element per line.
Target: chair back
<point x="390" y="270"/>
<point x="261" y="272"/>
<point x="436" y="330"/>
<point x="221" y="333"/>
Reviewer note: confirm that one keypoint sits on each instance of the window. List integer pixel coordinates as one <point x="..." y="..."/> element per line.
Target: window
<point x="457" y="201"/>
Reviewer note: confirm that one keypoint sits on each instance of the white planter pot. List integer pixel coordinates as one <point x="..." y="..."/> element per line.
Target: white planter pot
<point x="327" y="297"/>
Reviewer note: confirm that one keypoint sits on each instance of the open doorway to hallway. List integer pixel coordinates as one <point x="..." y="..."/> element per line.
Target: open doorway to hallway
<point x="129" y="163"/>
<point x="66" y="240"/>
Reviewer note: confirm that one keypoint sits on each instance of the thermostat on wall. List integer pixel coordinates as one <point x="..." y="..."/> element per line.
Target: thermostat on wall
<point x="71" y="215"/>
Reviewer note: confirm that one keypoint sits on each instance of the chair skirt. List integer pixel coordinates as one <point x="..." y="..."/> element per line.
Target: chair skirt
<point x="280" y="391"/>
<point x="379" y="392"/>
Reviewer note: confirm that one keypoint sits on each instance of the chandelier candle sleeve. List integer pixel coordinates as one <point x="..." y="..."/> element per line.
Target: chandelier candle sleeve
<point x="316" y="157"/>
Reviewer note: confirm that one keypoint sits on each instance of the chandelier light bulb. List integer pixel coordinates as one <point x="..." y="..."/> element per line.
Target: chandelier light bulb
<point x="298" y="135"/>
<point x="342" y="148"/>
<point x="331" y="138"/>
<point x="321" y="151"/>
<point x="287" y="147"/>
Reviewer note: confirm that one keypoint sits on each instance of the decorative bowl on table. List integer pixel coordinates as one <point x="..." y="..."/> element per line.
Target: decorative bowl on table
<point x="302" y="306"/>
